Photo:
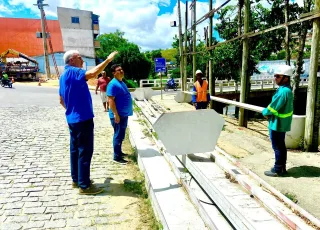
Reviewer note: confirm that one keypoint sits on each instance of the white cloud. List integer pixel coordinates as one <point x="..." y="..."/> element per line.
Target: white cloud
<point x="300" y="2"/>
<point x="138" y="19"/>
<point x="6" y="9"/>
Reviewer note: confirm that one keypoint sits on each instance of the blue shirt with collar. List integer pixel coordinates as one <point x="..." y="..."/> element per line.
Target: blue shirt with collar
<point x="122" y="97"/>
<point x="75" y="93"/>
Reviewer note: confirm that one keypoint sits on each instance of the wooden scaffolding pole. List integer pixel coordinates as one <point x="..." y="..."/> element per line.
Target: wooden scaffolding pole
<point x="310" y="142"/>
<point x="287" y="39"/>
<point x="183" y="85"/>
<point x="185" y="60"/>
<point x="194" y="42"/>
<point x="244" y="71"/>
<point x="211" y="78"/>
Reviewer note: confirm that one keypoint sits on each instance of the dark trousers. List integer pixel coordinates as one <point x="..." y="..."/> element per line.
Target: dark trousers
<point x="280" y="150"/>
<point x="118" y="136"/>
<point x="202" y="105"/>
<point x="81" y="150"/>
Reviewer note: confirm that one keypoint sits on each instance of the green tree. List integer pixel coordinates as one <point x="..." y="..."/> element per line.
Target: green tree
<point x="227" y="57"/>
<point x="110" y="42"/>
<point x="169" y="54"/>
<point x="135" y="64"/>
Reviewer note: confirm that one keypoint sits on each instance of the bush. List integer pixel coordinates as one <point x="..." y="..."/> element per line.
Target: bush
<point x="131" y="83"/>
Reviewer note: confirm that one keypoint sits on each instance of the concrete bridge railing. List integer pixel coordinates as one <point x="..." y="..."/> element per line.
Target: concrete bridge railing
<point x="221" y="85"/>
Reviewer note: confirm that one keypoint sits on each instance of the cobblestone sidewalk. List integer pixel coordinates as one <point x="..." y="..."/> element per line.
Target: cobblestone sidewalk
<point x="35" y="182"/>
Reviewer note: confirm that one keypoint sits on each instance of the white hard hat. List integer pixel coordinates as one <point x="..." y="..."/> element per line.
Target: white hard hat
<point x="284" y="70"/>
<point x="198" y="71"/>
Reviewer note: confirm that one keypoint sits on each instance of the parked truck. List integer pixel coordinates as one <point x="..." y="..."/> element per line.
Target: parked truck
<point x="18" y="69"/>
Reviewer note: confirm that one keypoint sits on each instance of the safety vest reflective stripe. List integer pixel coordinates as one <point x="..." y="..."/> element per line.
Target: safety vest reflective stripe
<point x="275" y="113"/>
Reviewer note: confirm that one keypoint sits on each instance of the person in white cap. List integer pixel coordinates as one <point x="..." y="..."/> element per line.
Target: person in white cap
<point x="201" y="99"/>
<point x="279" y="114"/>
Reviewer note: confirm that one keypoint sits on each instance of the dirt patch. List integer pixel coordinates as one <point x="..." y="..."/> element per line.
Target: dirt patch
<point x="134" y="208"/>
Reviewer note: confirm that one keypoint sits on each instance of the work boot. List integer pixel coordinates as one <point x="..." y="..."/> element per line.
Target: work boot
<point x="274" y="173"/>
<point x="120" y="161"/>
<point x="91" y="190"/>
<point x="75" y="184"/>
<point x="284" y="170"/>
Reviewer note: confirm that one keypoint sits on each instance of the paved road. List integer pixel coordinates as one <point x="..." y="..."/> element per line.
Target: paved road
<point x="35" y="183"/>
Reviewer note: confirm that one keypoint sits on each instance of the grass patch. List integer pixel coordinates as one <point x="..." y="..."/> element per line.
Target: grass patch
<point x="155" y="135"/>
<point x="146" y="133"/>
<point x="135" y="107"/>
<point x="291" y="197"/>
<point x="301" y="145"/>
<point x="137" y="187"/>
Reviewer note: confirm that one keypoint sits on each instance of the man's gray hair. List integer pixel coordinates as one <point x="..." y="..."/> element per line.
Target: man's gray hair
<point x="68" y="55"/>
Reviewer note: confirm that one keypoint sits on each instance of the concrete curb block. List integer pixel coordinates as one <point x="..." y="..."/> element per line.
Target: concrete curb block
<point x="169" y="200"/>
<point x="156" y="207"/>
<point x="275" y="192"/>
<point x="208" y="212"/>
<point x="268" y="200"/>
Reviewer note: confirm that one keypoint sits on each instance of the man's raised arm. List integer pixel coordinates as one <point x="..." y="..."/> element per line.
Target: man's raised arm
<point x="92" y="73"/>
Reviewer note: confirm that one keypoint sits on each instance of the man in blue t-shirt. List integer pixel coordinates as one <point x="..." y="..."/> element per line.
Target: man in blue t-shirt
<point x="120" y="102"/>
<point x="75" y="97"/>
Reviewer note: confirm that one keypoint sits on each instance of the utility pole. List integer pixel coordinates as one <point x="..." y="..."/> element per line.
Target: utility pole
<point x="185" y="61"/>
<point x="44" y="37"/>
<point x="194" y="40"/>
<point x="310" y="142"/>
<point x="211" y="78"/>
<point x="244" y="71"/>
<point x="183" y="85"/>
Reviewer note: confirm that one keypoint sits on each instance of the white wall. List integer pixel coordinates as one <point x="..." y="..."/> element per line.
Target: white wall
<point x="78" y="39"/>
<point x="78" y="36"/>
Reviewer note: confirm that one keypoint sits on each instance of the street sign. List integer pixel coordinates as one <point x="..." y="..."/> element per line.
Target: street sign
<point x="159" y="65"/>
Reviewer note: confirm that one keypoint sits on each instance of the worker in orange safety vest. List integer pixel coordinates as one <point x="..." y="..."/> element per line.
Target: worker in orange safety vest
<point x="201" y="97"/>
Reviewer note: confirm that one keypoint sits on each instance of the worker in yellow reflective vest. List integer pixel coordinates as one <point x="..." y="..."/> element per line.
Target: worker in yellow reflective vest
<point x="279" y="114"/>
<point x="201" y="97"/>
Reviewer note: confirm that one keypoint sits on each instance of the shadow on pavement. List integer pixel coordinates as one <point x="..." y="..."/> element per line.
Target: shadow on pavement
<point x="303" y="171"/>
<point x="114" y="189"/>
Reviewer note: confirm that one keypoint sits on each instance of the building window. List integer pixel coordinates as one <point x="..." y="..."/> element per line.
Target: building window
<point x="75" y="20"/>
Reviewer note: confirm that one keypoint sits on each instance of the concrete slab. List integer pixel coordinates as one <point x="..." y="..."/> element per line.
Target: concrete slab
<point x="186" y="132"/>
<point x="252" y="148"/>
<point x="143" y="93"/>
<point x="170" y="202"/>
<point x="183" y="97"/>
<point x="241" y="210"/>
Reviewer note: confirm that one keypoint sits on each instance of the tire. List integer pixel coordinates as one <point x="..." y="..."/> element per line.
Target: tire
<point x="166" y="88"/>
<point x="175" y="88"/>
<point x="10" y="85"/>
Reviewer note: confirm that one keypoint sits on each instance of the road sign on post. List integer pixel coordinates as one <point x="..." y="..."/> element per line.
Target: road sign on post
<point x="159" y="65"/>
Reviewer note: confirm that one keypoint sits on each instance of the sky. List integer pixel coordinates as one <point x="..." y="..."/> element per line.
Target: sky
<point x="144" y="22"/>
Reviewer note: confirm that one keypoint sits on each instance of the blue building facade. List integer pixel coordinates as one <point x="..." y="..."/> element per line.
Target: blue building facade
<point x="88" y="63"/>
